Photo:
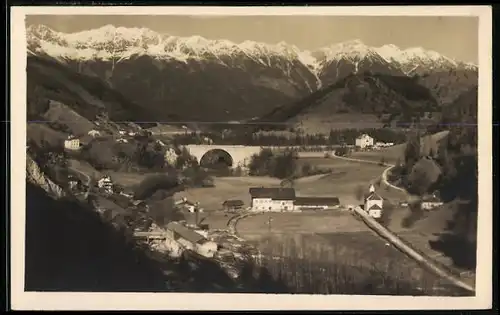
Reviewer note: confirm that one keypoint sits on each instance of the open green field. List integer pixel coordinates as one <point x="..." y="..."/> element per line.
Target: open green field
<point x="332" y="221"/>
<point x="314" y="124"/>
<point x="86" y="168"/>
<point x="426" y="230"/>
<point x="350" y="260"/>
<point x="392" y="154"/>
<point x="211" y="198"/>
<point x="127" y="179"/>
<point x="39" y="132"/>
<point x="344" y="180"/>
<point x="59" y="112"/>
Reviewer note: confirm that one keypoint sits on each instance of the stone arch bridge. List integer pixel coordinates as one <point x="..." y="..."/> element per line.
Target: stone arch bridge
<point x="240" y="154"/>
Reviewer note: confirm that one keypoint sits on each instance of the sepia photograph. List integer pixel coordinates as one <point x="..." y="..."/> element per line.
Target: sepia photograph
<point x="284" y="154"/>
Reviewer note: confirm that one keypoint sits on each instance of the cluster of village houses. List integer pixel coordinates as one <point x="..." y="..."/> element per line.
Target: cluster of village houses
<point x="263" y="199"/>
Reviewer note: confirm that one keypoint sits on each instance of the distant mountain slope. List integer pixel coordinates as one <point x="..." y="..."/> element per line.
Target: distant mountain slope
<point x="341" y="60"/>
<point x="194" y="78"/>
<point x="447" y="85"/>
<point x="398" y="97"/>
<point x="88" y="96"/>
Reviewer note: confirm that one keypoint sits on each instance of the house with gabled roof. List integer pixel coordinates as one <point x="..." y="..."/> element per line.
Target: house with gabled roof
<point x="191" y="239"/>
<point x="272" y="198"/>
<point x="364" y="141"/>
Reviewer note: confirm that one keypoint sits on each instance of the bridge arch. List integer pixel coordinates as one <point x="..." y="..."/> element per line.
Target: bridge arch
<point x="217" y="157"/>
<point x="240" y="154"/>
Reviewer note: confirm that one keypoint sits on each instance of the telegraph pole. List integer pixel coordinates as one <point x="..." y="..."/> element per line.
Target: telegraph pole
<point x="269" y="220"/>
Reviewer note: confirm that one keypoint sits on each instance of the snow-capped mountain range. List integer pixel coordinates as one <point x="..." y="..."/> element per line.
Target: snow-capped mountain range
<point x="233" y="81"/>
<point x="110" y="42"/>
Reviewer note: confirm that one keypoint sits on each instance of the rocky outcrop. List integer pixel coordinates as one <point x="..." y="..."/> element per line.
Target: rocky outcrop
<point x="35" y="176"/>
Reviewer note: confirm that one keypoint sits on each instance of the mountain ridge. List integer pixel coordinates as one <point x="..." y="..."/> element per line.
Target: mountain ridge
<point x="182" y="48"/>
<point x="232" y="82"/>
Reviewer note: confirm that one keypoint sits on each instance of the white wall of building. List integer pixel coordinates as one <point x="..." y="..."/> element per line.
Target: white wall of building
<point x="369" y="203"/>
<point x="364" y="141"/>
<point x="207" y="249"/>
<point x="375" y="213"/>
<point x="268" y="204"/>
<point x="73" y="144"/>
<point x="430" y="205"/>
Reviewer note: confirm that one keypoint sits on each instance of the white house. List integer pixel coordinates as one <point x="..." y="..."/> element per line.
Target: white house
<point x="364" y="141"/>
<point x="122" y="132"/>
<point x="272" y="199"/>
<point x="73" y="183"/>
<point x="131" y="133"/>
<point x="105" y="183"/>
<point x="190" y="206"/>
<point x="430" y="202"/>
<point x="121" y="140"/>
<point x="72" y="143"/>
<point x="94" y="133"/>
<point x="374" y="204"/>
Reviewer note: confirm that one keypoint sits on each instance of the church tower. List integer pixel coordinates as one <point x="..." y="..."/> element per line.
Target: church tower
<point x="374" y="203"/>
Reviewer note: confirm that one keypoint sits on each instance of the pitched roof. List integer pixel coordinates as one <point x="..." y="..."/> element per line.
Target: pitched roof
<point x="363" y="136"/>
<point x="138" y="202"/>
<point x="185" y="232"/>
<point x="233" y="203"/>
<point x="320" y="201"/>
<point x="375" y="207"/>
<point x="276" y="193"/>
<point x="374" y="196"/>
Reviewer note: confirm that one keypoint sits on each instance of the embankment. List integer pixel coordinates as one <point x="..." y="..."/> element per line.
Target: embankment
<point x="398" y="243"/>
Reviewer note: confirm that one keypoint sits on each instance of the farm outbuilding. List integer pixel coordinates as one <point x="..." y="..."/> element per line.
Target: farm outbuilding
<point x="191" y="240"/>
<point x="233" y="204"/>
<point x="311" y="203"/>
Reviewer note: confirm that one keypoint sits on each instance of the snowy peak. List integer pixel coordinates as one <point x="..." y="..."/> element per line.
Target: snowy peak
<point x="353" y="49"/>
<point x="415" y="57"/>
<point x="141" y="40"/>
<point x="108" y="42"/>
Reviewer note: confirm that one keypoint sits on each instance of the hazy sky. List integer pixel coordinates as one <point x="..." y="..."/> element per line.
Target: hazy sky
<point x="455" y="37"/>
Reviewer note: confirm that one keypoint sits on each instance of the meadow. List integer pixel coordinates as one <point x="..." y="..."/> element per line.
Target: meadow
<point x="330" y="221"/>
<point x="211" y="198"/>
<point x="346" y="263"/>
<point x="395" y="153"/>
